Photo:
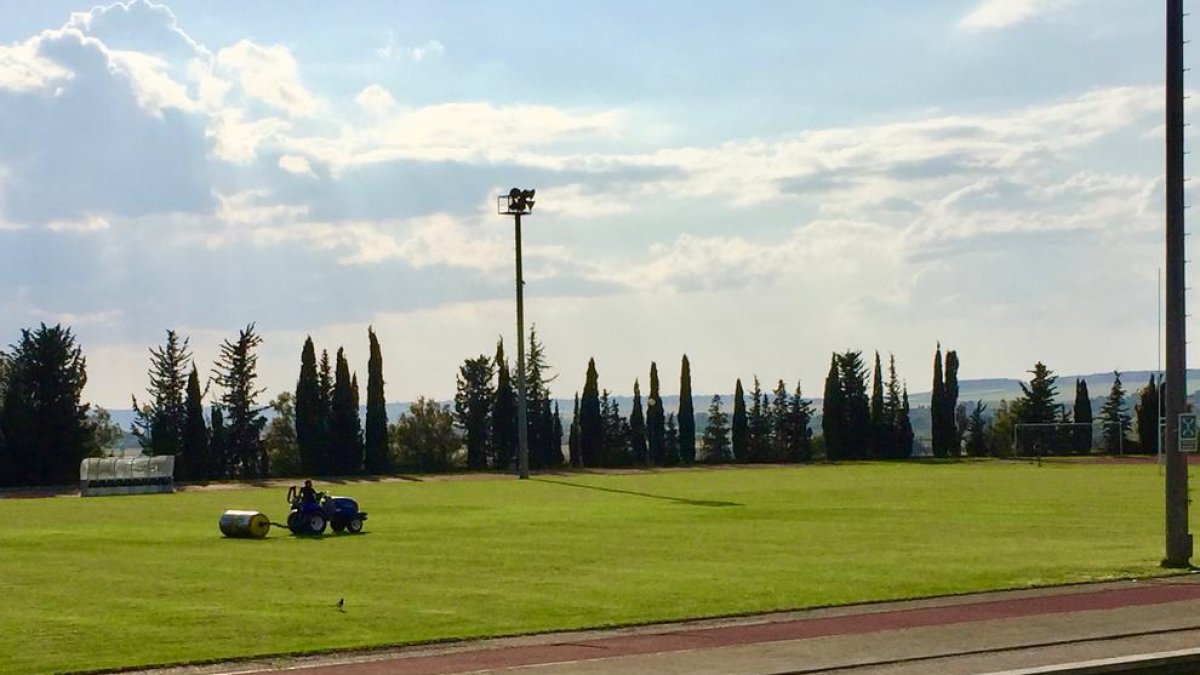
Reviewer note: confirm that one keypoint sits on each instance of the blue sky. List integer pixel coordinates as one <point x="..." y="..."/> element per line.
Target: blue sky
<point x="753" y="184"/>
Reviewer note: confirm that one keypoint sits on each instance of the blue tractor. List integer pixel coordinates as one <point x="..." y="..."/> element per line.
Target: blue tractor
<point x="312" y="515"/>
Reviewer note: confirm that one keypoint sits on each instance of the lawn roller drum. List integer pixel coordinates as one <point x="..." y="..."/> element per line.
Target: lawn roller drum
<point x="339" y="513"/>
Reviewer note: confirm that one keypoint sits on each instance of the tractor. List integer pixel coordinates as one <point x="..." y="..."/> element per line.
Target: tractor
<point x="339" y="513"/>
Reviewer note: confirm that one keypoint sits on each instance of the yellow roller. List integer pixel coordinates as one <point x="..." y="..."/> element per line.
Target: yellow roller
<point x="245" y="524"/>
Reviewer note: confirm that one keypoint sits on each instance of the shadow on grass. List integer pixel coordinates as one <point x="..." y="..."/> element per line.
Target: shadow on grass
<point x="677" y="500"/>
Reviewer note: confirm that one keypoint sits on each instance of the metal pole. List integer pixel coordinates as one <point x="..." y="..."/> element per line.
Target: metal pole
<point x="1179" y="540"/>
<point x="522" y="427"/>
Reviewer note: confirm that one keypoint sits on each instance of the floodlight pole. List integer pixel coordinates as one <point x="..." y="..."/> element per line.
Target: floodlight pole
<point x="1179" y="540"/>
<point x="522" y="427"/>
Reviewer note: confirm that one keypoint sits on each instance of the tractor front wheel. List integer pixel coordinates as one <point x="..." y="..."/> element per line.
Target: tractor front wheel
<point x="293" y="522"/>
<point x="355" y="525"/>
<point x="316" y="523"/>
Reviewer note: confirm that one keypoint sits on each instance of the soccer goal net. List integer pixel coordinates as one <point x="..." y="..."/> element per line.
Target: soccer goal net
<point x="1055" y="438"/>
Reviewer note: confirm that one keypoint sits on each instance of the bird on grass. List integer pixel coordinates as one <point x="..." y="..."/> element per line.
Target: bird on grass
<point x="341" y="605"/>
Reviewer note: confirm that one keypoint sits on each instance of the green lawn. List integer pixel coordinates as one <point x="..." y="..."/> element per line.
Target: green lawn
<point x="122" y="581"/>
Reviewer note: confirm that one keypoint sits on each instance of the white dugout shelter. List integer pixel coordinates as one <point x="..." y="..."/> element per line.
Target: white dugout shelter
<point x="126" y="475"/>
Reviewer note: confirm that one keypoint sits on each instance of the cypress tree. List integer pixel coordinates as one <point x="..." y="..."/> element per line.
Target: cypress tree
<point x="687" y="417"/>
<point x="758" y="425"/>
<point x="833" y="414"/>
<point x="1083" y="415"/>
<point x="637" y="427"/>
<point x="880" y="425"/>
<point x="655" y="422"/>
<point x="327" y="453"/>
<point x="309" y="412"/>
<point x="1147" y="417"/>
<point x="343" y="421"/>
<point x="740" y="426"/>
<point x="671" y="437"/>
<point x="573" y="442"/>
<point x="591" y="424"/>
<point x="196" y="459"/>
<point x="556" y="456"/>
<point x="503" y="437"/>
<point x="375" y="435"/>
<point x="937" y="407"/>
<point x="905" y="435"/>
<point x="953" y="439"/>
<point x="218" y="455"/>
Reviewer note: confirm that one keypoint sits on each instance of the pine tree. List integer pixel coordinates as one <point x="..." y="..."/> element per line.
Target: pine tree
<point x="310" y="413"/>
<point x="950" y="433"/>
<point x="503" y="436"/>
<point x="1114" y="418"/>
<point x="880" y="425"/>
<point x="44" y="425"/>
<point x="159" y="424"/>
<point x="1082" y="436"/>
<point x="781" y="425"/>
<point x="800" y="448"/>
<point x="1037" y="406"/>
<point x="1147" y="417"/>
<point x="655" y="420"/>
<point x="937" y="408"/>
<point x="375" y="436"/>
<point x="344" y="429"/>
<point x="235" y="372"/>
<point x="687" y="418"/>
<point x="615" y="431"/>
<point x="858" y="408"/>
<point x="716" y="434"/>
<point x="539" y="415"/>
<point x="833" y="414"/>
<point x="573" y="442"/>
<point x="591" y="424"/>
<point x="758" y="422"/>
<point x="740" y="429"/>
<point x="637" y="427"/>
<point x="891" y="412"/>
<point x="473" y="407"/>
<point x="196" y="460"/>
<point x="977" y="431"/>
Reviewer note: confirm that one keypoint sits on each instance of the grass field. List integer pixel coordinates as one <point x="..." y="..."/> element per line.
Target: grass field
<point x="123" y="581"/>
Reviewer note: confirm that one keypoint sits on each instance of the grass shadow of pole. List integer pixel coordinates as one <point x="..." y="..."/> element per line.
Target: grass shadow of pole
<point x="677" y="500"/>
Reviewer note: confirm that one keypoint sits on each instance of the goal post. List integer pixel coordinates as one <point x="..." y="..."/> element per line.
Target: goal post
<point x="1044" y="439"/>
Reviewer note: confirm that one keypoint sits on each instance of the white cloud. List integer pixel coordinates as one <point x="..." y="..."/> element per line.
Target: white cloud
<point x="415" y="54"/>
<point x="376" y="100"/>
<point x="22" y="69"/>
<point x="89" y="224"/>
<point x="237" y="140"/>
<point x="269" y="74"/>
<point x="296" y="165"/>
<point x="996" y="14"/>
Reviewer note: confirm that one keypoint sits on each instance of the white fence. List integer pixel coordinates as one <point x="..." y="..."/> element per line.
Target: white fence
<point x="126" y="475"/>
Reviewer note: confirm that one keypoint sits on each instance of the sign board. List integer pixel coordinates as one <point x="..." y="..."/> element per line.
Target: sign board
<point x="1187" y="432"/>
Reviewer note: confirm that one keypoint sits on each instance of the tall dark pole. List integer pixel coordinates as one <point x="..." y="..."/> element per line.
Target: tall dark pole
<point x="522" y="428"/>
<point x="1179" y="541"/>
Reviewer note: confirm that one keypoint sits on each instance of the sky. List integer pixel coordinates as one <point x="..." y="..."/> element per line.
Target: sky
<point x="753" y="184"/>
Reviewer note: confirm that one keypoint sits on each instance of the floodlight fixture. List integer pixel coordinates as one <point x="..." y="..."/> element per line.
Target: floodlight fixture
<point x="516" y="202"/>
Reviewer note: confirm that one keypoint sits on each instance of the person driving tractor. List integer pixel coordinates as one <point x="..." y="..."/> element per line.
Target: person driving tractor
<point x="307" y="494"/>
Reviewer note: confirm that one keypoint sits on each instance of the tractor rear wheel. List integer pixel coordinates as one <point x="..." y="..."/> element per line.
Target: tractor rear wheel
<point x="316" y="523"/>
<point x="354" y="525"/>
